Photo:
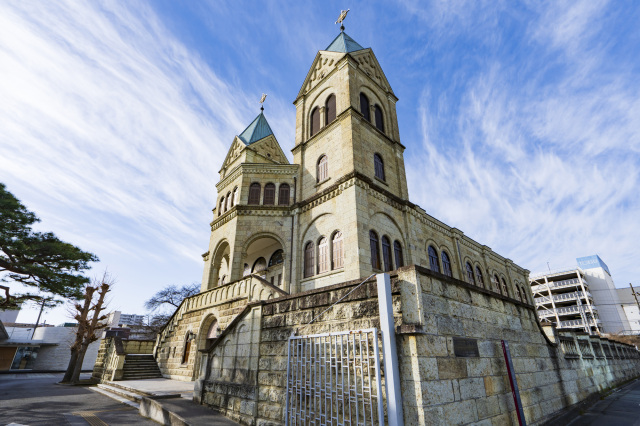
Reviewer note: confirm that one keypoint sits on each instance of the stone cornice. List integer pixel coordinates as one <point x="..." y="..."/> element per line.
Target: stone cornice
<point x="257" y="168"/>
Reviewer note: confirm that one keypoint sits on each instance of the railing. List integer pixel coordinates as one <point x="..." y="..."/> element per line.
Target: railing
<point x="578" y="323"/>
<point x="554" y="272"/>
<point x="569" y="347"/>
<point x="564" y="297"/>
<point x="585" y="348"/>
<point x="557" y="284"/>
<point x="597" y="348"/>
<point x="568" y="310"/>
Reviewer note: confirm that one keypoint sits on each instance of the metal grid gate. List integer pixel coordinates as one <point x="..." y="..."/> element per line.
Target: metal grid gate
<point x="334" y="379"/>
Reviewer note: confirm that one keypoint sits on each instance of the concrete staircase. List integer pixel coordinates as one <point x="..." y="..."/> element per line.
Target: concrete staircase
<point x="138" y="367"/>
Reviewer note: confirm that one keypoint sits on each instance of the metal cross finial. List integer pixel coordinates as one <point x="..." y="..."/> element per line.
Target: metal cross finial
<point x="341" y="18"/>
<point x="262" y="99"/>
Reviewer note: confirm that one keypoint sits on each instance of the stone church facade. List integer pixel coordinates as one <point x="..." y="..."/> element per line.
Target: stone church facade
<point x="288" y="239"/>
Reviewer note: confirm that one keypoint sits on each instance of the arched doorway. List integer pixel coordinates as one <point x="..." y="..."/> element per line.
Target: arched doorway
<point x="220" y="265"/>
<point x="265" y="257"/>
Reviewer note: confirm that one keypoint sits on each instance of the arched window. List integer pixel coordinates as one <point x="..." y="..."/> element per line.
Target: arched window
<point x="364" y="107"/>
<point x="221" y="208"/>
<point x="187" y="347"/>
<point x="524" y="295"/>
<point x="323" y="168"/>
<point x="212" y="333"/>
<point x="386" y="254"/>
<point x="377" y="113"/>
<point x="397" y="250"/>
<point x="323" y="255"/>
<point x="269" y="195"/>
<point x="259" y="265"/>
<point x="308" y="260"/>
<point x="496" y="284"/>
<point x="254" y="193"/>
<point x="479" y="277"/>
<point x="518" y="296"/>
<point x="504" y="288"/>
<point x="446" y="264"/>
<point x="378" y="165"/>
<point x="470" y="278"/>
<point x="315" y="121"/>
<point x="375" y="251"/>
<point x="283" y="196"/>
<point x="227" y="202"/>
<point x="234" y="196"/>
<point x="338" y="250"/>
<point x="434" y="264"/>
<point x="330" y="109"/>
<point x="276" y="258"/>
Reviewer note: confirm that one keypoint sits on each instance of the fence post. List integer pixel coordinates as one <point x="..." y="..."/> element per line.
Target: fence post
<point x="391" y="370"/>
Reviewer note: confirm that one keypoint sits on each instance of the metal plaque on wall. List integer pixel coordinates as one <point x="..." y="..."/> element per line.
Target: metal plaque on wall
<point x="465" y="347"/>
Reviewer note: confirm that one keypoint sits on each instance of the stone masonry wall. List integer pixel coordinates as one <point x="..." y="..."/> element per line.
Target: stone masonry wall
<point x="439" y="387"/>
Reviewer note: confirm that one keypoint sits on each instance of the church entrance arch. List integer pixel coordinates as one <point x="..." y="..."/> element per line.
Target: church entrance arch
<point x="208" y="332"/>
<point x="264" y="256"/>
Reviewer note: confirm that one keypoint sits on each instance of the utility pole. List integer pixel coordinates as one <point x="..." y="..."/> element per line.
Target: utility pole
<point x="635" y="295"/>
<point x="39" y="315"/>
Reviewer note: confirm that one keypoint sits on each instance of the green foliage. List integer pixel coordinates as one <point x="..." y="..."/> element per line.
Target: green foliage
<point x="37" y="259"/>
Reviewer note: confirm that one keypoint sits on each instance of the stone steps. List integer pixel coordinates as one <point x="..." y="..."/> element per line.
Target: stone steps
<point x="142" y="366"/>
<point x="120" y="395"/>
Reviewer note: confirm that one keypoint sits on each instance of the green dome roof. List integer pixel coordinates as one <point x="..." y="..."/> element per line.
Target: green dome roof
<point x="258" y="129"/>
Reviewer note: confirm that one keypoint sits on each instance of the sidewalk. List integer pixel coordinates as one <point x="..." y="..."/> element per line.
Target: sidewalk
<point x="620" y="408"/>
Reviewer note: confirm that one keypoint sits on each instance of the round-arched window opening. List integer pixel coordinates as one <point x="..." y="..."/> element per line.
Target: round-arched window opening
<point x="276" y="258"/>
<point x="259" y="265"/>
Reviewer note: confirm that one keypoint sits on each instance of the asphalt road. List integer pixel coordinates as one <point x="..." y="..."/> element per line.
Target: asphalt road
<point x="36" y="399"/>
<point x="620" y="408"/>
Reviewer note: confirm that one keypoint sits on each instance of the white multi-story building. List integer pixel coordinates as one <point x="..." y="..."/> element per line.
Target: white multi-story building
<point x="580" y="298"/>
<point x="117" y="318"/>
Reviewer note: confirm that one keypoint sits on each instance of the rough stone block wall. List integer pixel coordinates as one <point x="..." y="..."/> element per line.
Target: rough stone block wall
<point x="438" y="386"/>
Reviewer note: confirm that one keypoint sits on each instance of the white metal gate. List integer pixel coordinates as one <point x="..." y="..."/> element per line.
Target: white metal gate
<point x="334" y="379"/>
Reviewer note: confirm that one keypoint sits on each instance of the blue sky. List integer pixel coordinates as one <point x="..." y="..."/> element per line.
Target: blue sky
<point x="521" y="120"/>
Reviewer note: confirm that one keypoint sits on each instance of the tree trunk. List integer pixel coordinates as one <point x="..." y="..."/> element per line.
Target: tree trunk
<point x="75" y="378"/>
<point x="70" y="367"/>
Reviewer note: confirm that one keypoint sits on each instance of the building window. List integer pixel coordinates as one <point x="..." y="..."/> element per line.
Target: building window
<point x="187" y="348"/>
<point x="496" y="284"/>
<point x="234" y="196"/>
<point x="227" y="202"/>
<point x="364" y="107"/>
<point x="518" y="296"/>
<point x="375" y="251"/>
<point x="378" y="166"/>
<point x="434" y="264"/>
<point x="446" y="264"/>
<point x="330" y="109"/>
<point x="259" y="265"/>
<point x="397" y="249"/>
<point x="470" y="277"/>
<point x="315" y="121"/>
<point x="524" y="295"/>
<point x="283" y="196"/>
<point x="504" y="288"/>
<point x="377" y="113"/>
<point x="276" y="258"/>
<point x="338" y="250"/>
<point x="323" y="168"/>
<point x="308" y="260"/>
<point x="269" y="194"/>
<point x="323" y="255"/>
<point x="221" y="208"/>
<point x="386" y="254"/>
<point x="479" y="277"/>
<point x="254" y="193"/>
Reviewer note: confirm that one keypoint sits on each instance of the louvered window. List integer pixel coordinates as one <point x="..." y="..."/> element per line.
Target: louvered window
<point x="234" y="196"/>
<point x="330" y="109"/>
<point x="364" y="107"/>
<point x="397" y="248"/>
<point x="221" y="208"/>
<point x="283" y="196"/>
<point x="375" y="251"/>
<point x="386" y="254"/>
<point x="323" y="168"/>
<point x="434" y="264"/>
<point x="308" y="260"/>
<point x="518" y="296"/>
<point x="254" y="193"/>
<point x="446" y="264"/>
<point x="377" y="112"/>
<point x="338" y="251"/>
<point x="378" y="166"/>
<point x="504" y="288"/>
<point x="323" y="255"/>
<point x="470" y="274"/>
<point x="315" y="121"/>
<point x="496" y="284"/>
<point x="479" y="277"/>
<point x="269" y="194"/>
